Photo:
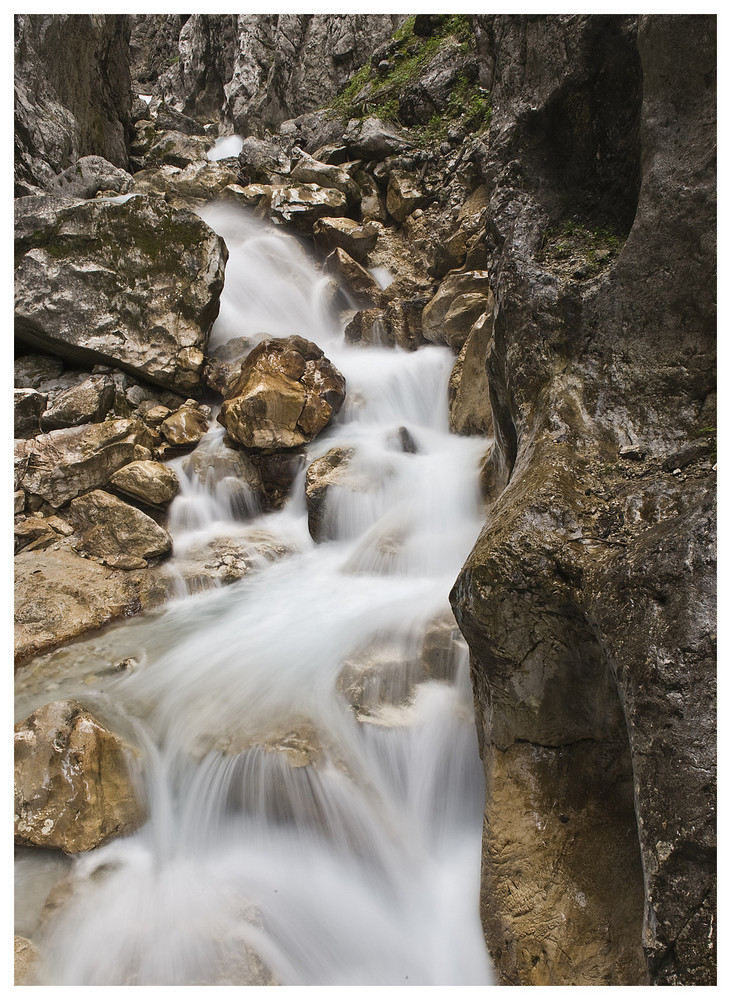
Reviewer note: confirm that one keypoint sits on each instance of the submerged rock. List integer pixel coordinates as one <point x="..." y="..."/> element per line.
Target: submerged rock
<point x="73" y="783"/>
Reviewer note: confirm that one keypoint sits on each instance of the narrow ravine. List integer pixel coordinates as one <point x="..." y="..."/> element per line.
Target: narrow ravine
<point x="307" y="748"/>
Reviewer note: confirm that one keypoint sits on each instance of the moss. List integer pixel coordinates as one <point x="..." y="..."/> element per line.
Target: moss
<point x="580" y="248"/>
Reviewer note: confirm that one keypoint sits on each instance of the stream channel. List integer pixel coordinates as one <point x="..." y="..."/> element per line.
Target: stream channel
<point x="305" y="735"/>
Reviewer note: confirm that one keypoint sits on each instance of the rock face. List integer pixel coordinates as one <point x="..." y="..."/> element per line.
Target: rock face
<point x="68" y="108"/>
<point x="286" y="393"/>
<point x="585" y="668"/>
<point x="135" y="284"/>
<point x="73" y="788"/>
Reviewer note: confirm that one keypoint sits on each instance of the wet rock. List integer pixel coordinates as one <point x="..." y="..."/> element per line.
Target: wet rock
<point x="449" y="292"/>
<point x="356" y="239"/>
<point x="109" y="528"/>
<point x="221" y="561"/>
<point x="360" y="287"/>
<point x="88" y="402"/>
<point x="73" y="784"/>
<point x="286" y="393"/>
<point x="200" y="181"/>
<point x="149" y="482"/>
<point x="120" y="271"/>
<point x="91" y="175"/>
<point x="185" y="427"/>
<point x="62" y="464"/>
<point x="470" y="411"/>
<point x="370" y="326"/>
<point x="59" y="596"/>
<point x="28" y="407"/>
<point x="322" y="475"/>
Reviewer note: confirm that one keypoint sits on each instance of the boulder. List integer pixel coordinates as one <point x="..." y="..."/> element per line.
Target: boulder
<point x="59" y="596"/>
<point x="221" y="561"/>
<point x="176" y="149"/>
<point x="185" y="427"/>
<point x="263" y="160"/>
<point x="308" y="170"/>
<point x="200" y="181"/>
<point x="286" y="393"/>
<point x="303" y="205"/>
<point x="74" y="788"/>
<point x="456" y="284"/>
<point x="356" y="239"/>
<point x="30" y="370"/>
<point x="62" y="464"/>
<point x="148" y="482"/>
<point x="135" y="285"/>
<point x="89" y="176"/>
<point x="110" y="529"/>
<point x="372" y="139"/>
<point x="360" y="287"/>
<point x="403" y="195"/>
<point x="84" y="403"/>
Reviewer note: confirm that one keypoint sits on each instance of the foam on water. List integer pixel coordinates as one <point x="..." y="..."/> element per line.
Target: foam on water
<point x="298" y="832"/>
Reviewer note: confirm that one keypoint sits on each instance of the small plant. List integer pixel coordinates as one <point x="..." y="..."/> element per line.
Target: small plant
<point x="578" y="248"/>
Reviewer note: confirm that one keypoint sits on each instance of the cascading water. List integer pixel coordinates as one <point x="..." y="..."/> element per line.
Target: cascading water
<point x="314" y="790"/>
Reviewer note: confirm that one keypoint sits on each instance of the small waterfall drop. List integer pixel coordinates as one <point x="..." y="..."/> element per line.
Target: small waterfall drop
<point x="309" y="754"/>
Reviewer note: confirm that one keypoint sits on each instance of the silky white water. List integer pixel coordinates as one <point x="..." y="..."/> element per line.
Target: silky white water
<point x="314" y="792"/>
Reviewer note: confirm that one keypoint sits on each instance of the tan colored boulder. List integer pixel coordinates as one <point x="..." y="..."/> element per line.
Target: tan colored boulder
<point x="151" y="482"/>
<point x="26" y="960"/>
<point x="456" y="284"/>
<point x="186" y="426"/>
<point x="59" y="596"/>
<point x="64" y="463"/>
<point x="110" y="528"/>
<point x="355" y="238"/>
<point x="303" y="205"/>
<point x="470" y="411"/>
<point x="308" y="170"/>
<point x="286" y="393"/>
<point x="360" y="286"/>
<point x="463" y="313"/>
<point x="73" y="784"/>
<point x="403" y="196"/>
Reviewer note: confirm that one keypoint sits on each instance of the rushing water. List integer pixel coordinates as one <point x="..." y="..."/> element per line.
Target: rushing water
<point x="314" y="792"/>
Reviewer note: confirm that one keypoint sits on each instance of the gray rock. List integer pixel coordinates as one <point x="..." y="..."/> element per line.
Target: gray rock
<point x="88" y="402"/>
<point x="93" y="279"/>
<point x="90" y="175"/>
<point x="28" y="407"/>
<point x="372" y="139"/>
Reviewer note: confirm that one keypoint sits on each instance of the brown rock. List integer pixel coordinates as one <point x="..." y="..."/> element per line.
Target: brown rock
<point x="470" y="411"/>
<point x="26" y="960"/>
<point x="73" y="786"/>
<point x="286" y="393"/>
<point x="356" y="239"/>
<point x="360" y="287"/>
<point x="151" y="482"/>
<point x="455" y="285"/>
<point x="109" y="528"/>
<point x="86" y="403"/>
<point x="322" y="475"/>
<point x="403" y="196"/>
<point x="185" y="426"/>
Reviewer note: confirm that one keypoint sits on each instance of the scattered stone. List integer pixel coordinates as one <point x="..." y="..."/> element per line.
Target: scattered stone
<point x="28" y="407"/>
<point x="403" y="196"/>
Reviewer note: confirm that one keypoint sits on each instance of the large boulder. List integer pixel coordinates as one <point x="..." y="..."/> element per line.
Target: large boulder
<point x="74" y="789"/>
<point x="146" y="481"/>
<point x="287" y="393"/>
<point x="85" y="403"/>
<point x="356" y="239"/>
<point x="457" y="300"/>
<point x="134" y="284"/>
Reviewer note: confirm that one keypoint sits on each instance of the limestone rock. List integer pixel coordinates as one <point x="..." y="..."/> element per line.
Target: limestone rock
<point x="94" y="279"/>
<point x="59" y="596"/>
<point x="30" y="370"/>
<point x="322" y="475"/>
<point x="454" y="286"/>
<point x="286" y="393"/>
<point x="308" y="170"/>
<point x="470" y="411"/>
<point x="356" y="239"/>
<point x="150" y="482"/>
<point x="360" y="287"/>
<point x="110" y="528"/>
<point x="27" y="409"/>
<point x="303" y="205"/>
<point x="186" y="426"/>
<point x="263" y="161"/>
<point x="200" y="181"/>
<point x="84" y="102"/>
<point x="88" y="402"/>
<point x="73" y="788"/>
<point x="62" y="464"/>
<point x="403" y="196"/>
<point x="372" y="139"/>
<point x="90" y="175"/>
<point x="176" y="149"/>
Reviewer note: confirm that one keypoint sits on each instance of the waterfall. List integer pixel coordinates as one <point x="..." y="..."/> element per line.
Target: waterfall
<point x="309" y="757"/>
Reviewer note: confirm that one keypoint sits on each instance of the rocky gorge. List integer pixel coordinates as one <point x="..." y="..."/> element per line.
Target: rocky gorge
<point x="530" y="199"/>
